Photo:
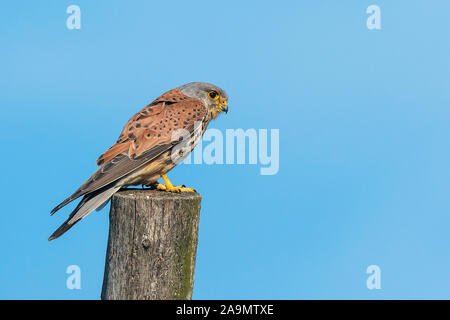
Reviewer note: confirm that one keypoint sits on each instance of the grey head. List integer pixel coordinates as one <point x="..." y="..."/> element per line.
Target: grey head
<point x="212" y="96"/>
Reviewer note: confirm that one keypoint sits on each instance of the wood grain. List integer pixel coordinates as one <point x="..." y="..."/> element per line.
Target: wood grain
<point x="152" y="245"/>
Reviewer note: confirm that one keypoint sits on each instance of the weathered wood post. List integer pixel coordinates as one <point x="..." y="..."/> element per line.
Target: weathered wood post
<point x="152" y="245"/>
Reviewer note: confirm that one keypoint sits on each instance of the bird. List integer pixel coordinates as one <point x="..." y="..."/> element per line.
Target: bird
<point x="152" y="142"/>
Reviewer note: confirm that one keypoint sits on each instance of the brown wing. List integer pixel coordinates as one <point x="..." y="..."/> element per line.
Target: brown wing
<point x="146" y="135"/>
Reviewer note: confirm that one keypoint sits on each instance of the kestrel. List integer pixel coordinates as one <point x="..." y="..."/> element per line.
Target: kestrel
<point x="152" y="142"/>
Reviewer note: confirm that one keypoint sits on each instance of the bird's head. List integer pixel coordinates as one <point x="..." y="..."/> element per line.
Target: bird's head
<point x="214" y="98"/>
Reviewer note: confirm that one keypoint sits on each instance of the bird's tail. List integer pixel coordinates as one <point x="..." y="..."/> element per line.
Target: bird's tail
<point x="89" y="203"/>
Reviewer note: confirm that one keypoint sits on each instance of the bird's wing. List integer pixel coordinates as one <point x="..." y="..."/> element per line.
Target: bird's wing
<point x="146" y="135"/>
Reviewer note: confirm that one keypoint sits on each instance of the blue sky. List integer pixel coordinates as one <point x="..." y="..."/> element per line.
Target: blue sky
<point x="364" y="128"/>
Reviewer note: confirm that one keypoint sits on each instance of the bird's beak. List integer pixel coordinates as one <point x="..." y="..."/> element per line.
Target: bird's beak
<point x="223" y="106"/>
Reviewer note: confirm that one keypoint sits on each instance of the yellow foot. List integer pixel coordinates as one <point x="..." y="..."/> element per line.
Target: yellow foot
<point x="174" y="189"/>
<point x="169" y="187"/>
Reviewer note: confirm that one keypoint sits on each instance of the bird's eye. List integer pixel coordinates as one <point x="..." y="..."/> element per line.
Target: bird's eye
<point x="213" y="95"/>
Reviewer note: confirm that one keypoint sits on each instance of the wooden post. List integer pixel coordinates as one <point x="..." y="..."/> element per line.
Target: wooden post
<point x="152" y="245"/>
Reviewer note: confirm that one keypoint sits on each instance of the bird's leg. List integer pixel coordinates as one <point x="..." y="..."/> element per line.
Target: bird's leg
<point x="168" y="186"/>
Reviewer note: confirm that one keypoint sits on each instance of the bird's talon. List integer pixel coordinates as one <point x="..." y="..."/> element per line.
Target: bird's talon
<point x="181" y="188"/>
<point x="161" y="187"/>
